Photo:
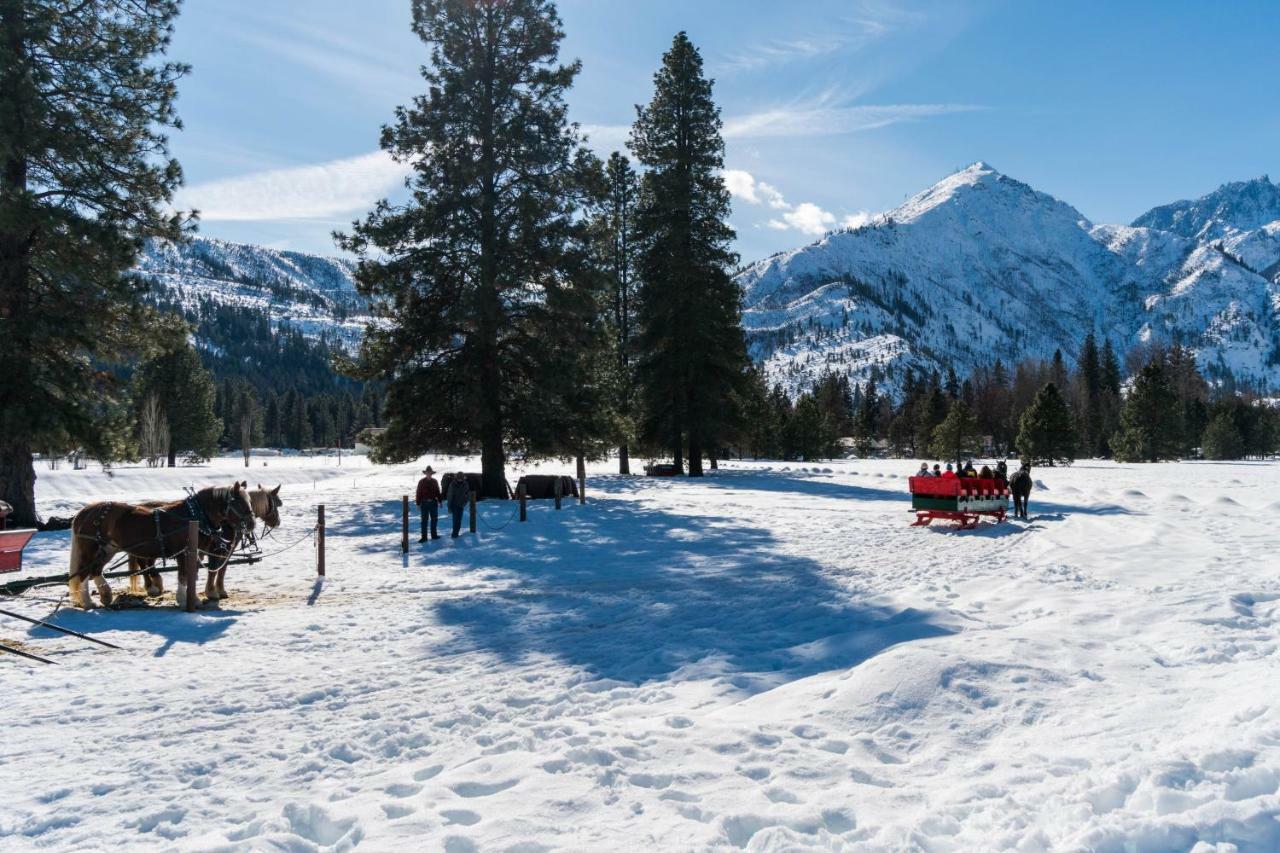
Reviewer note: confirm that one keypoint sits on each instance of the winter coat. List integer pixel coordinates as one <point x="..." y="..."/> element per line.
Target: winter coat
<point x="459" y="493"/>
<point x="948" y="475"/>
<point x="428" y="491"/>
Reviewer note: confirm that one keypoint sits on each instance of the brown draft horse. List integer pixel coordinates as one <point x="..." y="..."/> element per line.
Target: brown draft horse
<point x="265" y="504"/>
<point x="102" y="530"/>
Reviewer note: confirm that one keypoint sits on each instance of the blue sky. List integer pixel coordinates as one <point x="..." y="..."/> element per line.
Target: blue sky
<point x="833" y="108"/>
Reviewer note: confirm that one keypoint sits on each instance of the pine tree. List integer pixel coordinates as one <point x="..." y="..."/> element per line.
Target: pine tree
<point x="957" y="436"/>
<point x="619" y="243"/>
<point x="1222" y="439"/>
<point x="479" y="269"/>
<point x="810" y="432"/>
<point x="85" y="177"/>
<point x="693" y="354"/>
<point x="1088" y="396"/>
<point x="1151" y="419"/>
<point x="187" y="393"/>
<point x="1046" y="431"/>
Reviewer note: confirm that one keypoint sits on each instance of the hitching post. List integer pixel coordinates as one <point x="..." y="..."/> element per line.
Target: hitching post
<point x="320" y="540"/>
<point x="472" y="507"/>
<point x="523" y="495"/>
<point x="404" y="525"/>
<point x="559" y="489"/>
<point x="193" y="563"/>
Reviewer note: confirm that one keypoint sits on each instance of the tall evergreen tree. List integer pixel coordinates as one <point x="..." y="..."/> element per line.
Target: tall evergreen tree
<point x="478" y="269"/>
<point x="1151" y="419"/>
<point x="619" y="259"/>
<point x="693" y="354"/>
<point x="85" y="177"/>
<point x="957" y="436"/>
<point x="187" y="393"/>
<point x="1089" y="396"/>
<point x="1046" y="431"/>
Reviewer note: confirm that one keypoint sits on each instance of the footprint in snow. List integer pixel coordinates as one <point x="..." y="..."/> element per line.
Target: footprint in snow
<point x="471" y="790"/>
<point x="395" y="811"/>
<point x="401" y="790"/>
<point x="679" y="722"/>
<point x="428" y="773"/>
<point x="460" y="817"/>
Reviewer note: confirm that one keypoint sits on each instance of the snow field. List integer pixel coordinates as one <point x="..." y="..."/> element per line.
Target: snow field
<point x="768" y="659"/>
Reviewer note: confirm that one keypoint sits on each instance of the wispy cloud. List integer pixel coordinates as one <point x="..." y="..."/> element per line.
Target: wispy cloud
<point x="317" y="191"/>
<point x="865" y="24"/>
<point x="821" y="119"/>
<point x="350" y="61"/>
<point x="814" y="117"/>
<point x="805" y="217"/>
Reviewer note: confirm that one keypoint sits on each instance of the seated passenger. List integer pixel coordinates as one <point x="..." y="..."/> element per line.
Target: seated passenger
<point x="969" y="470"/>
<point x="924" y="470"/>
<point x="985" y="472"/>
<point x="937" y="470"/>
<point x="949" y="474"/>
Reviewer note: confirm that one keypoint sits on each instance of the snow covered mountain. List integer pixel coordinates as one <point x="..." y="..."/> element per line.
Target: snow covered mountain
<point x="311" y="293"/>
<point x="981" y="266"/>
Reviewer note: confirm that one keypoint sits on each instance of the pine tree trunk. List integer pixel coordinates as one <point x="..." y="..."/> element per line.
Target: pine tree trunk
<point x="493" y="474"/>
<point x="695" y="457"/>
<point x="173" y="457"/>
<point x="582" y="467"/>
<point x="715" y="463"/>
<point x="18" y="483"/>
<point x="624" y="459"/>
<point x="677" y="452"/>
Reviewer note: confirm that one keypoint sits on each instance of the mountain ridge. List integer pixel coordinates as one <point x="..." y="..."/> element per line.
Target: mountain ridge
<point x="991" y="267"/>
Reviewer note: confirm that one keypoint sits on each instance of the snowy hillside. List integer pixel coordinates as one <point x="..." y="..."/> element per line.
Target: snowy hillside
<point x="981" y="266"/>
<point x="677" y="665"/>
<point x="311" y="293"/>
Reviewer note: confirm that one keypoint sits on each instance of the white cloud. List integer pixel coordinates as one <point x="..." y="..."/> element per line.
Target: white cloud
<point x="806" y="217"/>
<point x="743" y="185"/>
<point x="318" y="191"/>
<point x="820" y="119"/>
<point x="856" y="220"/>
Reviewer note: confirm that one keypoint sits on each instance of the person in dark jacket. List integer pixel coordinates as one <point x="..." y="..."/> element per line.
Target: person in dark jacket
<point x="428" y="501"/>
<point x="458" y="497"/>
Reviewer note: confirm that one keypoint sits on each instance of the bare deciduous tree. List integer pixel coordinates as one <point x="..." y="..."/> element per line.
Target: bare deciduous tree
<point x="153" y="431"/>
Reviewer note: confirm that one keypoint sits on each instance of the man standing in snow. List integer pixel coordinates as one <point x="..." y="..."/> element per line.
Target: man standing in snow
<point x="428" y="501"/>
<point x="459" y="496"/>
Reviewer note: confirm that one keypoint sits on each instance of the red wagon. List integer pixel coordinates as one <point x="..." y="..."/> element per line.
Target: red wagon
<point x="962" y="499"/>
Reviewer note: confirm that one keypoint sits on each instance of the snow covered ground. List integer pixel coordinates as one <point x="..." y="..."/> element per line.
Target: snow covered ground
<point x="770" y="659"/>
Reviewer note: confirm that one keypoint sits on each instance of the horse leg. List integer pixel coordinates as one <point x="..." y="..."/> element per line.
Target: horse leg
<point x="155" y="581"/>
<point x="222" y="577"/>
<point x="77" y="572"/>
<point x="104" y="589"/>
<point x="211" y="580"/>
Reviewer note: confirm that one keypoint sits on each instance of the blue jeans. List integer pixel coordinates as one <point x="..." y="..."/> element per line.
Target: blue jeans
<point x="430" y="514"/>
<point x="457" y="520"/>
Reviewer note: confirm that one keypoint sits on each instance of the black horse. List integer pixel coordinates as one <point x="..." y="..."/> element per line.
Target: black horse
<point x="1020" y="487"/>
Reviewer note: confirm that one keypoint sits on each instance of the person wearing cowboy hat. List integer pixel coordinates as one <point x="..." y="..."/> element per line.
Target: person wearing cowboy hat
<point x="428" y="501"/>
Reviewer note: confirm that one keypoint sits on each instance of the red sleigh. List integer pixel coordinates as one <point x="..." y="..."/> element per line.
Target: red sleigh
<point x="962" y="499"/>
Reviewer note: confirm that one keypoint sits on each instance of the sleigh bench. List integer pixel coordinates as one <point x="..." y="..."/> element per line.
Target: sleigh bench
<point x="11" y="542"/>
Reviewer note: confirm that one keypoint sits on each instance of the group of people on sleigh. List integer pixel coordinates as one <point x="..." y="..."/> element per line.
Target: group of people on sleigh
<point x="1000" y="473"/>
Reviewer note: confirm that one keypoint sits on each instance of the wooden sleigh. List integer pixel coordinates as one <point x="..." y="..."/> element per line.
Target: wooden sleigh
<point x="961" y="499"/>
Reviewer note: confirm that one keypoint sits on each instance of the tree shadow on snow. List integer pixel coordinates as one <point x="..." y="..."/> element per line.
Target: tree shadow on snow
<point x="631" y="592"/>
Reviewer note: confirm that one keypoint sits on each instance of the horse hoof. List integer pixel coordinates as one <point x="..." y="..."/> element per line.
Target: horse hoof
<point x="107" y="597"/>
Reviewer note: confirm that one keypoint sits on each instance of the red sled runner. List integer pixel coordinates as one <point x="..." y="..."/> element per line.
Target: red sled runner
<point x="962" y="499"/>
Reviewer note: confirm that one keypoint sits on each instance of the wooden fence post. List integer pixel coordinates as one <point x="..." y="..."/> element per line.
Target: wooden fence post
<point x="320" y="540"/>
<point x="523" y="496"/>
<point x="472" y="508"/>
<point x="559" y="489"/>
<point x="582" y="489"/>
<point x="193" y="564"/>
<point x="404" y="525"/>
